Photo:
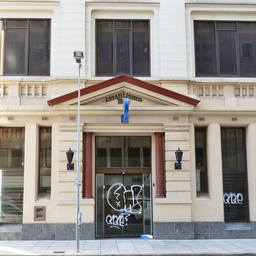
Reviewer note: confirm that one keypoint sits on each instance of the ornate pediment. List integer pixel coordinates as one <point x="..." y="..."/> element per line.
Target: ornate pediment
<point x="113" y="91"/>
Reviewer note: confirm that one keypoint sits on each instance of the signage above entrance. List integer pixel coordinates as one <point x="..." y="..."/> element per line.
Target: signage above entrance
<point x="125" y="117"/>
<point x="120" y="97"/>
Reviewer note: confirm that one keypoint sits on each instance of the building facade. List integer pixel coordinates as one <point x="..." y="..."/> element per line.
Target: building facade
<point x="187" y="67"/>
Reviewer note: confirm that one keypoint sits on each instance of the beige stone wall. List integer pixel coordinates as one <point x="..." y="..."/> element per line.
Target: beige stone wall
<point x="223" y="102"/>
<point x="177" y="204"/>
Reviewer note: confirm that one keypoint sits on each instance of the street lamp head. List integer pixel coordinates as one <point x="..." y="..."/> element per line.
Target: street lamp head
<point x="78" y="55"/>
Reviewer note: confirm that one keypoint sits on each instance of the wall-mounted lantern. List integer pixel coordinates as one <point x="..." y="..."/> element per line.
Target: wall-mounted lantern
<point x="70" y="154"/>
<point x="178" y="154"/>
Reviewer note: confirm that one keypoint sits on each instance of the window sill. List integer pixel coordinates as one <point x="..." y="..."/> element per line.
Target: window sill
<point x="27" y="78"/>
<point x="202" y="196"/>
<point x="103" y="78"/>
<point x="44" y="197"/>
<point x="223" y="79"/>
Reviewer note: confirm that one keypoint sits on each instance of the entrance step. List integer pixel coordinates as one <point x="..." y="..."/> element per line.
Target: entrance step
<point x="10" y="232"/>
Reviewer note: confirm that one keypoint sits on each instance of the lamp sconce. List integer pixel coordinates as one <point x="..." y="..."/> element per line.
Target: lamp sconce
<point x="178" y="154"/>
<point x="70" y="154"/>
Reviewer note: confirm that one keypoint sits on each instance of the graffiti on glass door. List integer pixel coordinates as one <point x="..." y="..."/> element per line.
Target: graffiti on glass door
<point x="125" y="203"/>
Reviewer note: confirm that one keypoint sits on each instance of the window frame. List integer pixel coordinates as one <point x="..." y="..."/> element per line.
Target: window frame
<point x="235" y="174"/>
<point x="216" y="61"/>
<point x="131" y="46"/>
<point x="39" y="160"/>
<point x="205" y="167"/>
<point x="12" y="173"/>
<point x="27" y="45"/>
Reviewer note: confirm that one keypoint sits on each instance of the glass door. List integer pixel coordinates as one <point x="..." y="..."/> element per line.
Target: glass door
<point x="123" y="186"/>
<point x="123" y="206"/>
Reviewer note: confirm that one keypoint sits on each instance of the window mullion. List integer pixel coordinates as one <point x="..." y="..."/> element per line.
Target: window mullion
<point x="237" y="50"/>
<point x="114" y="49"/>
<point x="217" y="51"/>
<point x="27" y="48"/>
<point x="131" y="52"/>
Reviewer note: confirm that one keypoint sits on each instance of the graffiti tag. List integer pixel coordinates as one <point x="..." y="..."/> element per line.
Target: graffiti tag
<point x="124" y="201"/>
<point x="117" y="221"/>
<point x="232" y="198"/>
<point x="130" y="198"/>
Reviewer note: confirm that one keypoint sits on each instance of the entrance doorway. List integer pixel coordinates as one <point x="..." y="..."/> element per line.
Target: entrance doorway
<point x="235" y="188"/>
<point x="124" y="206"/>
<point x="123" y="187"/>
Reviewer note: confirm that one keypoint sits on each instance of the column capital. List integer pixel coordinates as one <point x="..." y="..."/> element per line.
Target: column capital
<point x="159" y="133"/>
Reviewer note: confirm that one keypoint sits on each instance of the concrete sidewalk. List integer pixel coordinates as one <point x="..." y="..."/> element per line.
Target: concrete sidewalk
<point x="131" y="247"/>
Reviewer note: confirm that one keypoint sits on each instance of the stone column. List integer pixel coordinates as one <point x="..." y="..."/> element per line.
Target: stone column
<point x="160" y="170"/>
<point x="87" y="184"/>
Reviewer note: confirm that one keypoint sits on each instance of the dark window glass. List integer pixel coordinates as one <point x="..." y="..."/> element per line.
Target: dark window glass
<point x="27" y="47"/>
<point x="116" y="157"/>
<point x="39" y="47"/>
<point x="227" y="53"/>
<point x="140" y="48"/>
<point x="16" y="23"/>
<point x="123" y="151"/>
<point x="122" y="47"/>
<point x="226" y="25"/>
<point x="15" y="60"/>
<point x="205" y="48"/>
<point x="147" y="156"/>
<point x="12" y="174"/>
<point x="104" y="48"/>
<point x="201" y="160"/>
<point x="122" y="52"/>
<point x="247" y="49"/>
<point x="235" y="191"/>
<point x="101" y="157"/>
<point x="45" y="160"/>
<point x="133" y="157"/>
<point x="122" y="24"/>
<point x="225" y="48"/>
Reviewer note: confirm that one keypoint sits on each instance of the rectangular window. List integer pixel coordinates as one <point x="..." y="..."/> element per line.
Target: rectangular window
<point x="45" y="159"/>
<point x="225" y="48"/>
<point x="123" y="151"/>
<point x="122" y="47"/>
<point x="201" y="160"/>
<point x="11" y="174"/>
<point x="235" y="190"/>
<point x="26" y="49"/>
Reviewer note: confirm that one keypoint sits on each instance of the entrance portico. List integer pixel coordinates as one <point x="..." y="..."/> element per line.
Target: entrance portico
<point x="127" y="183"/>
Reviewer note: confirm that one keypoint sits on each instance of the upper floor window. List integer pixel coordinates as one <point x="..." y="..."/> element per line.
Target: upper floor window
<point x="26" y="49"/>
<point x="225" y="48"/>
<point x="122" y="47"/>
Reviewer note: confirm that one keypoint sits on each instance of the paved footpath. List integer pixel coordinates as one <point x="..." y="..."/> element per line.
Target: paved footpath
<point x="125" y="247"/>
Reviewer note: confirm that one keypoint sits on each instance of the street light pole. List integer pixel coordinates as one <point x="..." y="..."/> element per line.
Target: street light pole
<point x="78" y="55"/>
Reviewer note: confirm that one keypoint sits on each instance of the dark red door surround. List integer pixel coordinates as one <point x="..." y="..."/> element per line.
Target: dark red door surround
<point x="87" y="184"/>
<point x="160" y="173"/>
<point x="160" y="170"/>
